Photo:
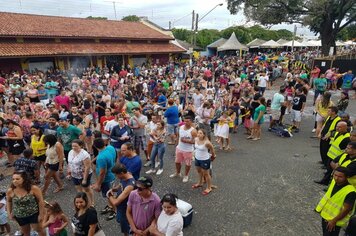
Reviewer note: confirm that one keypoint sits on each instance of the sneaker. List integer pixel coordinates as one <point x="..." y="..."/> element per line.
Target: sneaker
<point x="175" y="175"/>
<point x="313" y="131"/>
<point x="159" y="171"/>
<point x="147" y="164"/>
<point x="270" y="129"/>
<point x="296" y="130"/>
<point x="106" y="210"/>
<point x="185" y="179"/>
<point x="150" y="171"/>
<point x="111" y="216"/>
<point x="157" y="164"/>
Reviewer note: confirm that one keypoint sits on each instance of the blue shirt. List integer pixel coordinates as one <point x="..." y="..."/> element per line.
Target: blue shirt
<point x="162" y="100"/>
<point x="43" y="91"/>
<point x="172" y="115"/>
<point x="133" y="165"/>
<point x="106" y="160"/>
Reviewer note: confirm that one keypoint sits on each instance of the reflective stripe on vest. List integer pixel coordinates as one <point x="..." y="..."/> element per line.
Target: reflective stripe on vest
<point x="334" y="150"/>
<point x="330" y="207"/>
<point x="343" y="163"/>
<point x="333" y="124"/>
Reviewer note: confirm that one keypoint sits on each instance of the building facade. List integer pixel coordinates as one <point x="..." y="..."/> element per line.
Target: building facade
<point x="29" y="42"/>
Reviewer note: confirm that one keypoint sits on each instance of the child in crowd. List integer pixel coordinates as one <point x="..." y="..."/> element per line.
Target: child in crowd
<point x="4" y="225"/>
<point x="55" y="220"/>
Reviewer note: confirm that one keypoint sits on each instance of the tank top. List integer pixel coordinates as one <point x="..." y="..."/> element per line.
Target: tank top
<point x="201" y="152"/>
<point x="24" y="206"/>
<point x="51" y="155"/>
<point x="185" y="147"/>
<point x="56" y="224"/>
<point x="38" y="146"/>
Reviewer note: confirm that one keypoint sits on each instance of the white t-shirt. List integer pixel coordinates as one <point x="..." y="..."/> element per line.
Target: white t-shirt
<point x="263" y="81"/>
<point x="277" y="101"/>
<point x="3" y="208"/>
<point x="110" y="125"/>
<point x="170" y="225"/>
<point x="76" y="163"/>
<point x="197" y="99"/>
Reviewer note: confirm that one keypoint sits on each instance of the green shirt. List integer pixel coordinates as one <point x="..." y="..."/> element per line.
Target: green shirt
<point x="320" y="84"/>
<point x="257" y="113"/>
<point x="67" y="135"/>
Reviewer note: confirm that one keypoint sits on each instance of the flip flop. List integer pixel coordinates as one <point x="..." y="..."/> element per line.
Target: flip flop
<point x="58" y="190"/>
<point x="206" y="192"/>
<point x="194" y="186"/>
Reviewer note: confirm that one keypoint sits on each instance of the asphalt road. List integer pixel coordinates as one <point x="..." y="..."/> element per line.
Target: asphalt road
<point x="264" y="187"/>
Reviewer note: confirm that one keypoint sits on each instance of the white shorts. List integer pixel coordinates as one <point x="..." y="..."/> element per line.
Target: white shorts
<point x="319" y="118"/>
<point x="275" y="114"/>
<point x="296" y="115"/>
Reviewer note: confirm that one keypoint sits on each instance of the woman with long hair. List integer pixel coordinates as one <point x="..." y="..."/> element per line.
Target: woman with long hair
<point x="14" y="137"/>
<point x="53" y="163"/>
<point x="204" y="155"/>
<point x="258" y="119"/>
<point x="85" y="220"/>
<point x="170" y="221"/>
<point x="79" y="169"/>
<point x="159" y="147"/>
<point x="321" y="108"/>
<point x="25" y="204"/>
<point x="37" y="145"/>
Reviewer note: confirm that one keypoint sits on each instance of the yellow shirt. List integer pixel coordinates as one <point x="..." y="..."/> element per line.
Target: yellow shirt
<point x="38" y="146"/>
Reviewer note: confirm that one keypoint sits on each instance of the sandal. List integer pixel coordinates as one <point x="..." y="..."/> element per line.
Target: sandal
<point x="58" y="190"/>
<point x="206" y="192"/>
<point x="194" y="186"/>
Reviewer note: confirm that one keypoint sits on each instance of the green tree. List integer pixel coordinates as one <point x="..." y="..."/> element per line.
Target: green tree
<point x="182" y="34"/>
<point x="348" y="33"/>
<point x="242" y="34"/>
<point x="206" y="37"/>
<point x="97" y="18"/>
<point x="326" y="17"/>
<point x="133" y="18"/>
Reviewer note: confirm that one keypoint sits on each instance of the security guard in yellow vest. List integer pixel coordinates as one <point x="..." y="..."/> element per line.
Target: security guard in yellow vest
<point x="338" y="204"/>
<point x="326" y="132"/>
<point x="336" y="161"/>
<point x="348" y="159"/>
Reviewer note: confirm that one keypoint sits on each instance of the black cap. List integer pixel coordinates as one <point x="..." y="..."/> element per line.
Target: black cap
<point x="146" y="181"/>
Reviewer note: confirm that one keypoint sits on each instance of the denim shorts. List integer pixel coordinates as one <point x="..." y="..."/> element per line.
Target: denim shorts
<point x="79" y="181"/>
<point x="204" y="164"/>
<point x="172" y="129"/>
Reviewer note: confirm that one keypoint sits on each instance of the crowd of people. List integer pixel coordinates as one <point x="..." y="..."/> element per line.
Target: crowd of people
<point x="96" y="127"/>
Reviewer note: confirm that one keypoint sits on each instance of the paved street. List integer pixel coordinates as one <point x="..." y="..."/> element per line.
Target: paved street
<point x="264" y="187"/>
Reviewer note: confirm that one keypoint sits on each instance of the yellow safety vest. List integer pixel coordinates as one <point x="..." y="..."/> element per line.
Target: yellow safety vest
<point x="334" y="150"/>
<point x="333" y="124"/>
<point x="329" y="207"/>
<point x="345" y="163"/>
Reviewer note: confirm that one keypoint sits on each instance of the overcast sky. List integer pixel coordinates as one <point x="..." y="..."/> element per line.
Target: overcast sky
<point x="158" y="11"/>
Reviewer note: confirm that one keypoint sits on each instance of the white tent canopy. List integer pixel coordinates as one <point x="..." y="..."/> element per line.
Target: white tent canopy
<point x="295" y="44"/>
<point x="271" y="44"/>
<point x="282" y="41"/>
<point x="232" y="44"/>
<point x="316" y="43"/>
<point x="217" y="43"/>
<point x="256" y="43"/>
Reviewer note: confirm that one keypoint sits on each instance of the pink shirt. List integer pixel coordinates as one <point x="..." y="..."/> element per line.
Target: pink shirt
<point x="62" y="100"/>
<point x="144" y="210"/>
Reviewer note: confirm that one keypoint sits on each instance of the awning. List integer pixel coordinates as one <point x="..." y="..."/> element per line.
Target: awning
<point x="68" y="49"/>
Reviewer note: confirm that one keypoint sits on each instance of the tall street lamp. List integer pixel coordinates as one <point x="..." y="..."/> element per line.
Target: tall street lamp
<point x="197" y="20"/>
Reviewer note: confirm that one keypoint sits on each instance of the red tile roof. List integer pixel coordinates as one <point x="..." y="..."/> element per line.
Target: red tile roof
<point x="8" y="49"/>
<point x="26" y="25"/>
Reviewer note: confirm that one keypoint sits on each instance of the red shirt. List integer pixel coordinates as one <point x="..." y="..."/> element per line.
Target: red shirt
<point x="103" y="121"/>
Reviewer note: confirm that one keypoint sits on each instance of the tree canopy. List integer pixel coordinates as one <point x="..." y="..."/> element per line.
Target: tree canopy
<point x="133" y="18"/>
<point x="97" y="18"/>
<point x="326" y="17"/>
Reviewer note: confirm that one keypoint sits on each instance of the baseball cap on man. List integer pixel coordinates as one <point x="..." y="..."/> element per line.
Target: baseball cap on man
<point x="146" y="181"/>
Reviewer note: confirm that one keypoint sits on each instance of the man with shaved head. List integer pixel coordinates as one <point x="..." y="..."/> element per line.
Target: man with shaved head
<point x="338" y="144"/>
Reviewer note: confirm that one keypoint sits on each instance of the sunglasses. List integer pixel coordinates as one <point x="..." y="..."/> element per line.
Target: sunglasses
<point x="140" y="189"/>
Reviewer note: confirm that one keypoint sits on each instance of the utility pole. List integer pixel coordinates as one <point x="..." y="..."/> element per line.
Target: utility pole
<point x="294" y="34"/>
<point x="196" y="29"/>
<point x="193" y="26"/>
<point x="114" y="6"/>
<point x="169" y="25"/>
